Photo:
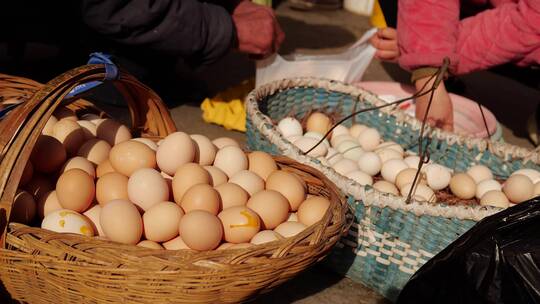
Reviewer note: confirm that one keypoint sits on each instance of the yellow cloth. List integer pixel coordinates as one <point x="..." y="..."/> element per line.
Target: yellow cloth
<point x="377" y="16"/>
<point x="231" y="114"/>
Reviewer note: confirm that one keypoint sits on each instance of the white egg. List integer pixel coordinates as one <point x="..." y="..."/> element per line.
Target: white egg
<point x="345" y="166"/>
<point x="350" y="150"/>
<point x="421" y="193"/>
<point x="370" y="163"/>
<point x="532" y="174"/>
<point x="340" y="130"/>
<point x="68" y="221"/>
<point x="360" y="177"/>
<point x="485" y="186"/>
<point x="306" y="143"/>
<point x="333" y="156"/>
<point x="290" y="126"/>
<point x="480" y="173"/>
<point x="437" y="176"/>
<point x="388" y="154"/>
<point x="369" y="139"/>
<point x="317" y="136"/>
<point x="335" y="141"/>
<point x="390" y="145"/>
<point x="293" y="138"/>
<point x="356" y="129"/>
<point x="412" y="161"/>
<point x="391" y="169"/>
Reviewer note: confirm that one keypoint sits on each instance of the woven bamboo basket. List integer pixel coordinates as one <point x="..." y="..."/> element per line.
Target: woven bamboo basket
<point x="390" y="239"/>
<point x="40" y="266"/>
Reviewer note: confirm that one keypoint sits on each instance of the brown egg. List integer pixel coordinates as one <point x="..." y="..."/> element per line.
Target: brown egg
<point x="318" y="122"/>
<point x="518" y="188"/>
<point x="113" y="132"/>
<point x="407" y="177"/>
<point x="232" y="195"/>
<point x="24" y="208"/>
<point x="111" y="186"/>
<point x="186" y="176"/>
<point x="146" y="187"/>
<point x="70" y="134"/>
<point x="463" y="186"/>
<point x="201" y="197"/>
<point x="218" y="177"/>
<point x="271" y="206"/>
<point x="39" y="185"/>
<point x="93" y="214"/>
<point x="494" y="198"/>
<point x="231" y="160"/>
<point x="174" y="151"/>
<point x="240" y="224"/>
<point x="195" y="237"/>
<point x="248" y="180"/>
<point x="385" y="187"/>
<point x="103" y="168"/>
<point x="175" y="244"/>
<point x="48" y="203"/>
<point x="265" y="236"/>
<point x="205" y="151"/>
<point x="289" y="185"/>
<point x="147" y="141"/>
<point x="290" y="229"/>
<point x="149" y="244"/>
<point x="313" y="210"/>
<point x="64" y="113"/>
<point x="95" y="150"/>
<point x="89" y="129"/>
<point x="121" y="222"/>
<point x="223" y="142"/>
<point x="49" y="126"/>
<point x="75" y="190"/>
<point x="161" y="221"/>
<point x="168" y="179"/>
<point x="261" y="163"/>
<point x="27" y="174"/>
<point x="48" y="154"/>
<point x="79" y="162"/>
<point x="129" y="156"/>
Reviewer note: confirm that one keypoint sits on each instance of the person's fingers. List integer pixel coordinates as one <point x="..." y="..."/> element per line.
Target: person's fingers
<point x="387" y="33"/>
<point x="386" y="45"/>
<point x="386" y="55"/>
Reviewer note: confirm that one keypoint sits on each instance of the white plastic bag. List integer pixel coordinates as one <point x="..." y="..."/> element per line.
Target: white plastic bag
<point x="348" y="66"/>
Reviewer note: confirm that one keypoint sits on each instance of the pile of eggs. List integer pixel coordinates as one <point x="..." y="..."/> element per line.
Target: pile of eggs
<point x="88" y="176"/>
<point x="360" y="154"/>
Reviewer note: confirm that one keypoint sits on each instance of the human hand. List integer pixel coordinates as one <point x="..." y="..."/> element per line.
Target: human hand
<point x="386" y="43"/>
<point x="257" y="29"/>
<point x="441" y="114"/>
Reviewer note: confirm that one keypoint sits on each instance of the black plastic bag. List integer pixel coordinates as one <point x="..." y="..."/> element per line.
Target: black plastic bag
<point x="496" y="261"/>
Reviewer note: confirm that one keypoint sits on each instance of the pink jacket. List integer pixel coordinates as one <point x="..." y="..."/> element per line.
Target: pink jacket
<point x="429" y="30"/>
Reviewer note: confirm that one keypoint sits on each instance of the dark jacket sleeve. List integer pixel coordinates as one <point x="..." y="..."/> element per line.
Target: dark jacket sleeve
<point x="187" y="28"/>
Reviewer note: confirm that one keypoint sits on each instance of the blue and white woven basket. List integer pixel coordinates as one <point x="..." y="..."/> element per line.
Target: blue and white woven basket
<point x="389" y="240"/>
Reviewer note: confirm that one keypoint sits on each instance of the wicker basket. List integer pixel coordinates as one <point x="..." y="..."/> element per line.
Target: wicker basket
<point x="40" y="266"/>
<point x="389" y="240"/>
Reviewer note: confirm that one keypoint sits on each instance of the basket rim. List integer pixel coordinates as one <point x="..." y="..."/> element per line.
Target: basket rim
<point x="368" y="195"/>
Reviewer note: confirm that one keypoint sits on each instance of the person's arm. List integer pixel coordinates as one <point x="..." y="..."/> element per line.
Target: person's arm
<point x="185" y="28"/>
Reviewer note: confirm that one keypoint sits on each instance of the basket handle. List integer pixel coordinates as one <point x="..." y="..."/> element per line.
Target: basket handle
<point x="20" y="130"/>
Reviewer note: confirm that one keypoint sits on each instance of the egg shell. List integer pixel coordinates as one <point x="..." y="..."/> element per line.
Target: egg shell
<point x="38" y="186"/>
<point x="49" y="126"/>
<point x="391" y="168"/>
<point x="48" y="154"/>
<point x="318" y="136"/>
<point x="24" y="208"/>
<point x="64" y="113"/>
<point x="360" y="177"/>
<point x="265" y="236"/>
<point x="130" y="156"/>
<point x="333" y="156"/>
<point x="437" y="176"/>
<point x="27" y="174"/>
<point x="485" y="186"/>
<point x="312" y="210"/>
<point x="339" y="130"/>
<point x="385" y="187"/>
<point x="111" y="186"/>
<point x="335" y="141"/>
<point x="356" y="129"/>
<point x="240" y="224"/>
<point x="289" y="126"/>
<point x="95" y="150"/>
<point x="293" y="217"/>
<point x="289" y="185"/>
<point x="67" y="221"/>
<point x="232" y="195"/>
<point x="205" y="151"/>
<point x="480" y="173"/>
<point x="89" y="129"/>
<point x="290" y="229"/>
<point x="231" y="160"/>
<point x="421" y="193"/>
<point x="176" y="150"/>
<point x="186" y="176"/>
<point x="93" y="214"/>
<point x="495" y="198"/>
<point x="146" y="187"/>
<point x="103" y="168"/>
<point x="350" y="150"/>
<point x="407" y="177"/>
<point x="112" y="132"/>
<point x="261" y="163"/>
<point x="370" y="163"/>
<point x="201" y="197"/>
<point x="536" y="190"/>
<point x="79" y="162"/>
<point x="223" y="142"/>
<point x="369" y="139"/>
<point x="532" y="174"/>
<point x="149" y="244"/>
<point x="389" y="154"/>
<point x="318" y="122"/>
<point x="390" y="145"/>
<point x="75" y="190"/>
<point x="121" y="222"/>
<point x="161" y="221"/>
<point x="175" y="244"/>
<point x="147" y="141"/>
<point x="463" y="186"/>
<point x="412" y="161"/>
<point x="248" y="180"/>
<point x="195" y="237"/>
<point x="271" y="207"/>
<point x="518" y="188"/>
<point x="217" y="176"/>
<point x="48" y="203"/>
<point x="306" y="143"/>
<point x="70" y="134"/>
<point x="345" y="166"/>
